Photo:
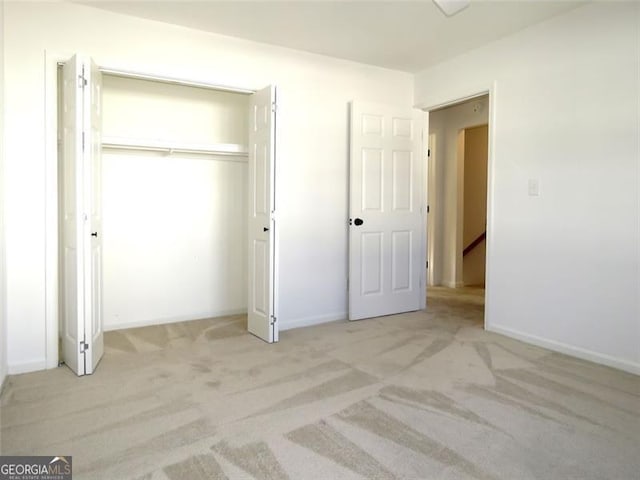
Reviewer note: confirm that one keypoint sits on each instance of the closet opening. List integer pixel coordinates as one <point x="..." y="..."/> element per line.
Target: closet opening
<point x="458" y="199"/>
<point x="174" y="202"/>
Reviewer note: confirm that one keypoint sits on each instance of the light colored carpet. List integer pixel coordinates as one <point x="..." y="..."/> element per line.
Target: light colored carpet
<point x="424" y="395"/>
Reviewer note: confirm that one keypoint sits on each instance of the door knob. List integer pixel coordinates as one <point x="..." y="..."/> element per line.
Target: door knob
<point x="265" y="229"/>
<point x="94" y="234"/>
<point x="358" y="222"/>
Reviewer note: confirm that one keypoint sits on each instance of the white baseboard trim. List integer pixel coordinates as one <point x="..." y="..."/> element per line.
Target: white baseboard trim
<point x="567" y="349"/>
<point x="164" y="321"/>
<point x="26" y="367"/>
<point x="309" y="321"/>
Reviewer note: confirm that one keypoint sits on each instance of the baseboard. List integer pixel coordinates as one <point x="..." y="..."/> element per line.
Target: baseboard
<point x="310" y="321"/>
<point x="27" y="367"/>
<point x="567" y="349"/>
<point x="164" y="321"/>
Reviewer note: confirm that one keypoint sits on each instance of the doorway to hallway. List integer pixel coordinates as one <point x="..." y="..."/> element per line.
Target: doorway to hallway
<point x="457" y="184"/>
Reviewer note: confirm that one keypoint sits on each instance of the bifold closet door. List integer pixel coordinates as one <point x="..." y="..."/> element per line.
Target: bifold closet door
<point x="81" y="327"/>
<point x="262" y="320"/>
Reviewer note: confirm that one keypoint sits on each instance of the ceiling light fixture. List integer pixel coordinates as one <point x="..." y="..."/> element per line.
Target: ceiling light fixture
<point x="451" y="7"/>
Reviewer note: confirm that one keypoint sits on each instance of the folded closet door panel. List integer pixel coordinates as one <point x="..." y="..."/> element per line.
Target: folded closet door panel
<point x="81" y="252"/>
<point x="93" y="188"/>
<point x="262" y="320"/>
<point x="72" y="288"/>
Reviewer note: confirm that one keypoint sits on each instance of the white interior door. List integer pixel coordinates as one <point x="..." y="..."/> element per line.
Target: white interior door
<point x="93" y="192"/>
<point x="386" y="231"/>
<point x="72" y="271"/>
<point x="262" y="320"/>
<point x="81" y="265"/>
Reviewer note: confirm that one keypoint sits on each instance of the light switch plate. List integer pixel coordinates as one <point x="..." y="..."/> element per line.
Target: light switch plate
<point x="534" y="187"/>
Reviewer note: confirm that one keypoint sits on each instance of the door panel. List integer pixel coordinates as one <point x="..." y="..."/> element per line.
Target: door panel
<point x="261" y="288"/>
<point x="81" y="266"/>
<point x="372" y="263"/>
<point x="402" y="181"/>
<point x="72" y="299"/>
<point x="386" y="219"/>
<point x="93" y="162"/>
<point x="401" y="248"/>
<point x="372" y="161"/>
<point x="261" y="318"/>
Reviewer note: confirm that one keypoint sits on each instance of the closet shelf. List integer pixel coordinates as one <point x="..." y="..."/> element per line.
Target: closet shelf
<point x="224" y="149"/>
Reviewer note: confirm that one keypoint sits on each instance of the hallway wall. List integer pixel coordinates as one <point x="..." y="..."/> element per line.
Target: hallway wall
<point x="475" y="203"/>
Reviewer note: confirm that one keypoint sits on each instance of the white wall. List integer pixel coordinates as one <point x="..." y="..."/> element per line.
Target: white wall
<point x="174" y="238"/>
<point x="164" y="111"/>
<point x="446" y="210"/>
<point x="174" y="226"/>
<point x="3" y="322"/>
<point x="312" y="146"/>
<point x="563" y="266"/>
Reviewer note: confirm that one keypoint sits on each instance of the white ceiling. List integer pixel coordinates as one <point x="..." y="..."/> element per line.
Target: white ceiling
<point x="401" y="35"/>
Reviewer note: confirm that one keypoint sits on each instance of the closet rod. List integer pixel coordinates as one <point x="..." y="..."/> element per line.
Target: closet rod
<point x="175" y="81"/>
<point x="223" y="149"/>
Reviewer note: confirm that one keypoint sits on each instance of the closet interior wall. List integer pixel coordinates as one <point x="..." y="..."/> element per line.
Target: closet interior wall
<point x="174" y="224"/>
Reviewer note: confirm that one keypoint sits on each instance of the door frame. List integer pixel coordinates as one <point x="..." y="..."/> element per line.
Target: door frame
<point x="52" y="61"/>
<point x="448" y="101"/>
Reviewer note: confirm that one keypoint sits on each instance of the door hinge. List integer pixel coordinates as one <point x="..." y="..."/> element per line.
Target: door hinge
<point x="84" y="346"/>
<point x="427" y="263"/>
<point x="428" y="152"/>
<point x="273" y="320"/>
<point x="274" y="107"/>
<point x="82" y="81"/>
<point x="427" y="208"/>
